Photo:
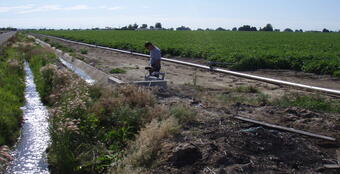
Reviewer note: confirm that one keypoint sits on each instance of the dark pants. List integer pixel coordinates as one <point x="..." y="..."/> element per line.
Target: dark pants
<point x="155" y="68"/>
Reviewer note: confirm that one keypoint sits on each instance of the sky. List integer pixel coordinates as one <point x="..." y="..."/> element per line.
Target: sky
<point x="58" y="14"/>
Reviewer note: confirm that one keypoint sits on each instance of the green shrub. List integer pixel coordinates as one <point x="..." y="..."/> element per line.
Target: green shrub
<point x="336" y="74"/>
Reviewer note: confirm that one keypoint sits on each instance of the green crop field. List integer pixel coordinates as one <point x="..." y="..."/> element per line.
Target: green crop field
<point x="310" y="52"/>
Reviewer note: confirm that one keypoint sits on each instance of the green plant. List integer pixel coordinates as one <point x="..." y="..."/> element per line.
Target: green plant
<point x="182" y="112"/>
<point x="246" y="89"/>
<point x="83" y="51"/>
<point x="314" y="103"/>
<point x="117" y="71"/>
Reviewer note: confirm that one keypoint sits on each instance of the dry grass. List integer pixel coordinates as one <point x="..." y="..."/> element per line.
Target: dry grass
<point x="143" y="151"/>
<point x="136" y="96"/>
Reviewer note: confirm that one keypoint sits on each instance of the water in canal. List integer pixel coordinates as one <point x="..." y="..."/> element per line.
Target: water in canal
<point x="30" y="153"/>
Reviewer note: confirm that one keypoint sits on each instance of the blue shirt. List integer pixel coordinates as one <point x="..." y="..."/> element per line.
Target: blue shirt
<point x="155" y="56"/>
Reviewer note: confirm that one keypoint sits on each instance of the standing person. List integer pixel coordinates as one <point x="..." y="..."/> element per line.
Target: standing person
<point x="155" y="58"/>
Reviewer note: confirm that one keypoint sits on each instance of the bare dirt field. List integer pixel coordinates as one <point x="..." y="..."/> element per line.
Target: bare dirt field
<point x="215" y="142"/>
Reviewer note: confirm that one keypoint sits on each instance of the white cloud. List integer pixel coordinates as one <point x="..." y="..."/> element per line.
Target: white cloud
<point x="54" y="8"/>
<point x="51" y="7"/>
<point x="78" y="7"/>
<point x="111" y="8"/>
<point x="42" y="9"/>
<point x="13" y="8"/>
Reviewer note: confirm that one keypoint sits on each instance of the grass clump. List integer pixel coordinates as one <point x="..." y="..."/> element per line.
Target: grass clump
<point x="62" y="47"/>
<point x="182" y="112"/>
<point x="246" y="89"/>
<point x="83" y="51"/>
<point x="117" y="71"/>
<point x="142" y="153"/>
<point x="11" y="94"/>
<point x="313" y="102"/>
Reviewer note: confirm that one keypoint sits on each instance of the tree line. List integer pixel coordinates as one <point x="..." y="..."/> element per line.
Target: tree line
<point x="158" y="26"/>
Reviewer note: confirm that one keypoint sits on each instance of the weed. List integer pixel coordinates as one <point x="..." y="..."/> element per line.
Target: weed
<point x="117" y="71"/>
<point x="144" y="150"/>
<point x="183" y="113"/>
<point x="62" y="47"/>
<point x="83" y="51"/>
<point x="314" y="103"/>
<point x="246" y="89"/>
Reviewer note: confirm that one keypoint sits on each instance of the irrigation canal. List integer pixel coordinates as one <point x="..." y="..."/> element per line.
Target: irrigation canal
<point x="30" y="152"/>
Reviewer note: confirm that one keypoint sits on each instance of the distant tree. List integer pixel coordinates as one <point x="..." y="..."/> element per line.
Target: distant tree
<point x="134" y="26"/>
<point x="130" y="27"/>
<point x="244" y="28"/>
<point x="325" y="30"/>
<point x="200" y="29"/>
<point x="288" y="30"/>
<point x="183" y="28"/>
<point x="253" y="29"/>
<point x="144" y="26"/>
<point x="171" y="29"/>
<point x="247" y="28"/>
<point x="152" y="27"/>
<point x="220" y="29"/>
<point x="158" y="25"/>
<point x="268" y="27"/>
<point x="234" y="29"/>
<point x="277" y="30"/>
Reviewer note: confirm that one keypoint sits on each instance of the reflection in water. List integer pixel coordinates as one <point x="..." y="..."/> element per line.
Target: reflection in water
<point x="79" y="72"/>
<point x="29" y="155"/>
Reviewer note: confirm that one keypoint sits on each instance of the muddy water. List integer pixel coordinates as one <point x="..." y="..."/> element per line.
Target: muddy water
<point x="29" y="155"/>
<point x="79" y="72"/>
